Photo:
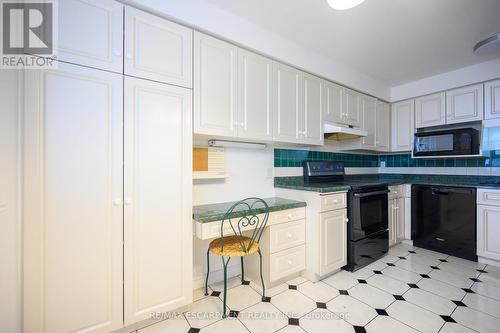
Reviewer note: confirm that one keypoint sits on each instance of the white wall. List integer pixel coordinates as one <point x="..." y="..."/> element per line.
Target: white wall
<point x="485" y="71"/>
<point x="207" y="17"/>
<point x="9" y="221"/>
<point x="251" y="174"/>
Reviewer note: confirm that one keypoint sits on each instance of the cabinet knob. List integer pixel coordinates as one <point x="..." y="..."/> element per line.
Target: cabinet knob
<point x="129" y="55"/>
<point x="347" y="220"/>
<point x="289" y="262"/>
<point x="128" y="201"/>
<point x="289" y="216"/>
<point x="117" y="202"/>
<point x="242" y="124"/>
<point x="335" y="201"/>
<point x="289" y="235"/>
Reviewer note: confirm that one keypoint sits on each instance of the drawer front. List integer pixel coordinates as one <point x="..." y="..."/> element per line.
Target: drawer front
<point x="286" y="235"/>
<point x="333" y="201"/>
<point x="488" y="197"/>
<point x="287" y="262"/>
<point x="287" y="215"/>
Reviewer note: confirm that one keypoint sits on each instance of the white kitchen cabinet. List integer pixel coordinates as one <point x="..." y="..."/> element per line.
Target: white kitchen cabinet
<point x="383" y="127"/>
<point x="333" y="240"/>
<point x="255" y="96"/>
<point x="488" y="225"/>
<point x="215" y="94"/>
<point x="392" y="215"/>
<point x="333" y="103"/>
<point x="396" y="214"/>
<point x="464" y="104"/>
<point x="400" y="223"/>
<point x="157" y="49"/>
<point x="402" y="126"/>
<point x="430" y="110"/>
<point x="488" y="232"/>
<point x="351" y="108"/>
<point x="157" y="182"/>
<point x="312" y="114"/>
<point x="492" y="99"/>
<point x="288" y="108"/>
<point x="90" y="33"/>
<point x="368" y="107"/>
<point x="73" y="213"/>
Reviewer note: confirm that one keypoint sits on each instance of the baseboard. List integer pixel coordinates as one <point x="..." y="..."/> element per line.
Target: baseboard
<point x="216" y="276"/>
<point x="488" y="261"/>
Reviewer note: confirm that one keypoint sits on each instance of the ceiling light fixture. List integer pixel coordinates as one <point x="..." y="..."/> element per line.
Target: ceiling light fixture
<point x="344" y="4"/>
<point x="488" y="46"/>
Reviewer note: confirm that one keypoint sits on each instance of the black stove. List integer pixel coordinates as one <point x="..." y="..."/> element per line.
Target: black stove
<point x="367" y="211"/>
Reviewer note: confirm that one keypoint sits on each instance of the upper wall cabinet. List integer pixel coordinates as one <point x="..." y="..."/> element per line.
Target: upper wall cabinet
<point x="402" y="126"/>
<point x="90" y="33"/>
<point x="492" y="99"/>
<point x="368" y="106"/>
<point x="215" y="71"/>
<point x="464" y="104"/>
<point x="383" y="127"/>
<point x="333" y="103"/>
<point x="157" y="49"/>
<point x="255" y="96"/>
<point x="288" y="103"/>
<point x="430" y="110"/>
<point x="351" y="108"/>
<point x="312" y="119"/>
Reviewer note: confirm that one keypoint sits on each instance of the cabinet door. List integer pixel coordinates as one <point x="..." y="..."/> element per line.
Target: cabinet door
<point x="214" y="86"/>
<point x="333" y="240"/>
<point x="333" y="103"/>
<point x="382" y="132"/>
<point x="392" y="221"/>
<point x="464" y="104"/>
<point x="255" y="99"/>
<point x="351" y="107"/>
<point x="368" y="106"/>
<point x="488" y="232"/>
<point x="402" y="127"/>
<point x="157" y="49"/>
<point x="400" y="222"/>
<point x="157" y="225"/>
<point x="288" y="104"/>
<point x="430" y="110"/>
<point x="312" y="124"/>
<point x="90" y="33"/>
<point x="492" y="99"/>
<point x="73" y="213"/>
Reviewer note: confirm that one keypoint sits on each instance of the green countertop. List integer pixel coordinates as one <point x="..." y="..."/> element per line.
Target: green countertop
<point x="215" y="212"/>
<point x="297" y="183"/>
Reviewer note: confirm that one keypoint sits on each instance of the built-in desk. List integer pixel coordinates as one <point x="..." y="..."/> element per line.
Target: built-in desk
<point x="282" y="243"/>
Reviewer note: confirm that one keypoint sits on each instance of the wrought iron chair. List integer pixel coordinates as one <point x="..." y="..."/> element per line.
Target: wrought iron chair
<point x="250" y="214"/>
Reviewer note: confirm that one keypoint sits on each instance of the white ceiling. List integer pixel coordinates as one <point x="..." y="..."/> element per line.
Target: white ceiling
<point x="393" y="41"/>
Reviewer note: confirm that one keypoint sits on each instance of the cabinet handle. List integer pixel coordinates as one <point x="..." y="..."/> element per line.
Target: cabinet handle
<point x="117" y="202"/>
<point x="347" y="220"/>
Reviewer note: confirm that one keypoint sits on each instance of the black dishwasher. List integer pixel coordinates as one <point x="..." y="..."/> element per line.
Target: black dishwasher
<point x="444" y="219"/>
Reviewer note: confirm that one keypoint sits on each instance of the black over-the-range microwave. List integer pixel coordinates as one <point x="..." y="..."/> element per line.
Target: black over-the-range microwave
<point x="464" y="141"/>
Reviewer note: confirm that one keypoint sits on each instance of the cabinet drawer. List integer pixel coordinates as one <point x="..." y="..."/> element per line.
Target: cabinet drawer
<point x="333" y="201"/>
<point x="488" y="197"/>
<point x="287" y="215"/>
<point x="287" y="262"/>
<point x="286" y="235"/>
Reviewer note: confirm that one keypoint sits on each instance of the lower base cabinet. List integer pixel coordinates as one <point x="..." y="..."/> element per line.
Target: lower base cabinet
<point x="488" y="225"/>
<point x="396" y="215"/>
<point x="107" y="206"/>
<point x="333" y="240"/>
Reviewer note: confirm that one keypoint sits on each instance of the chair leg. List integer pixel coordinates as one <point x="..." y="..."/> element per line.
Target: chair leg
<point x="224" y="263"/>
<point x="261" y="278"/>
<point x="208" y="272"/>
<point x="242" y="271"/>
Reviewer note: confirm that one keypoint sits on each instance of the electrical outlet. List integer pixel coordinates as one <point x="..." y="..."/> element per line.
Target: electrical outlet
<point x="382" y="164"/>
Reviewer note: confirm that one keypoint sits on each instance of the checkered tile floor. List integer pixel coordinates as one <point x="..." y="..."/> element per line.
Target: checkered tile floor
<point x="409" y="290"/>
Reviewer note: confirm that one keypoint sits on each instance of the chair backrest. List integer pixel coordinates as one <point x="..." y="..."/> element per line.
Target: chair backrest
<point x="248" y="214"/>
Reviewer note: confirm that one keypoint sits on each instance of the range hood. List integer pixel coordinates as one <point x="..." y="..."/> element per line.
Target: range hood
<point x="337" y="132"/>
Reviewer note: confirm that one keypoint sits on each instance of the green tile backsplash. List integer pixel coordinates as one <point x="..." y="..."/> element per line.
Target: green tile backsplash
<point x="294" y="158"/>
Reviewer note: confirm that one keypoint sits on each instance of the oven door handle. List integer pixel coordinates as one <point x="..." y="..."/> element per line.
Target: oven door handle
<point x="369" y="194"/>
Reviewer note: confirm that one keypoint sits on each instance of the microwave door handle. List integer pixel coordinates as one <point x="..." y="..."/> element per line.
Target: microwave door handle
<point x="369" y="194"/>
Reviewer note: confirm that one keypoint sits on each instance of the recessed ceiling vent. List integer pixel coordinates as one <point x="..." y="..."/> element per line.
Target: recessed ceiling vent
<point x="488" y="46"/>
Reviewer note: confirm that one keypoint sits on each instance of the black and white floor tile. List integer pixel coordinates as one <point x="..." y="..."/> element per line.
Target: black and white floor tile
<point x="409" y="290"/>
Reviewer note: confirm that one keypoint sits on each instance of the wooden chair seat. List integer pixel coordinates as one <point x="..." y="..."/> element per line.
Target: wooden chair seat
<point x="233" y="246"/>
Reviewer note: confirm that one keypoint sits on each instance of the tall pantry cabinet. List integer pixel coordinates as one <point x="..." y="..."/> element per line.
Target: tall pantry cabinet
<point x="107" y="184"/>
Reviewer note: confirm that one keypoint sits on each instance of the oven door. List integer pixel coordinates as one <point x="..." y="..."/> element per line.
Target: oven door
<point x="368" y="213"/>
